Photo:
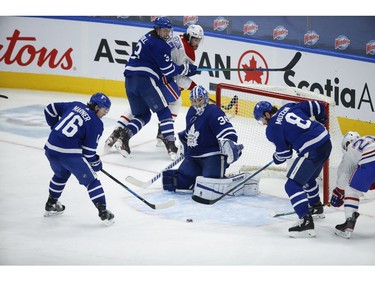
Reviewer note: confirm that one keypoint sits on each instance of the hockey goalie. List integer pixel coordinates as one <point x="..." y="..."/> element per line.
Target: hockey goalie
<point x="209" y="145"/>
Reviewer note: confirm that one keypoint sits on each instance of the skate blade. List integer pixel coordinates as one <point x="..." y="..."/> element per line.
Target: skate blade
<point x="108" y="222"/>
<point x="344" y="234"/>
<point x="302" y="234"/>
<point x="52" y="213"/>
<point x="319" y="216"/>
<point x="173" y="156"/>
<point x="123" y="152"/>
<point x="160" y="143"/>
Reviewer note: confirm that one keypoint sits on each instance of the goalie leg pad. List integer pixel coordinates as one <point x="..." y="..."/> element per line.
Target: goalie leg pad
<point x="212" y="188"/>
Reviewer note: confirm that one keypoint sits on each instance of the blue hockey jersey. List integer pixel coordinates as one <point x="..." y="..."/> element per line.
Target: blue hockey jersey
<point x="75" y="130"/>
<point x="152" y="58"/>
<point x="202" y="132"/>
<point x="291" y="129"/>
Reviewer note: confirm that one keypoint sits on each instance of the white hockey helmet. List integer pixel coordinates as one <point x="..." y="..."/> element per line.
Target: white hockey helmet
<point x="348" y="138"/>
<point x="195" y="30"/>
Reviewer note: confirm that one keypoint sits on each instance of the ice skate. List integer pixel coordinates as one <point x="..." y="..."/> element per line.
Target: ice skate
<point x="345" y="230"/>
<point x="172" y="149"/>
<point x="53" y="207"/>
<point x="160" y="140"/>
<point x="122" y="144"/>
<point x="317" y="211"/>
<point x="111" y="140"/>
<point x="304" y="228"/>
<point x="105" y="215"/>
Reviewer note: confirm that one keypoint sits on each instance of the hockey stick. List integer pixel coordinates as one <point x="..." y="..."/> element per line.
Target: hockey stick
<point x="210" y="202"/>
<point x="293" y="212"/>
<point x="153" y="206"/>
<point x="232" y="102"/>
<point x="145" y="184"/>
<point x="289" y="66"/>
<point x="3" y="96"/>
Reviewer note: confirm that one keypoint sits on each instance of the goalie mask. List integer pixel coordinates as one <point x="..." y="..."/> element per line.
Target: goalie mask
<point x="348" y="139"/>
<point x="163" y="28"/>
<point x="199" y="99"/>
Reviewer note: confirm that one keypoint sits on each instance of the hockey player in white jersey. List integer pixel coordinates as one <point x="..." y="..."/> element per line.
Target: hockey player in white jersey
<point x="183" y="49"/>
<point x="356" y="174"/>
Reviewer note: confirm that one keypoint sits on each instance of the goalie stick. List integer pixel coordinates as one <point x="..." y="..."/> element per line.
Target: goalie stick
<point x="145" y="184"/>
<point x="289" y="66"/>
<point x="153" y="206"/>
<point x="210" y="202"/>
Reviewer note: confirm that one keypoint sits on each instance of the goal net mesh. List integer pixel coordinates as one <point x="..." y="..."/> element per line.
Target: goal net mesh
<point x="238" y="103"/>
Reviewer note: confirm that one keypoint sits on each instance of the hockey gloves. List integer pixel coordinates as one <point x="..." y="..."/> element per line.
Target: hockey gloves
<point x="232" y="150"/>
<point x="337" y="198"/>
<point x="96" y="164"/>
<point x="188" y="69"/>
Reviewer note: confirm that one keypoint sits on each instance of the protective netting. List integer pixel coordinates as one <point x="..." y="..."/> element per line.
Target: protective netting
<point x="258" y="150"/>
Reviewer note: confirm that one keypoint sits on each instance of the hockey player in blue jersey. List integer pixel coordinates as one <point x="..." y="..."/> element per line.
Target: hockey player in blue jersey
<point x="149" y="64"/>
<point x="71" y="149"/>
<point x="290" y="128"/>
<point x="209" y="144"/>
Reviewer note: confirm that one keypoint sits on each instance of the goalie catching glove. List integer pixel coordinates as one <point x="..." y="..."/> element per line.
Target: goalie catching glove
<point x="211" y="188"/>
<point x="231" y="149"/>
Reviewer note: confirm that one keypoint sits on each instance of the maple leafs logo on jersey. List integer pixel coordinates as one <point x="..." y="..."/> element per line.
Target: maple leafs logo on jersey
<point x="192" y="137"/>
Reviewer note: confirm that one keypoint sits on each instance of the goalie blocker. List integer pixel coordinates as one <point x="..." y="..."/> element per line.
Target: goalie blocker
<point x="211" y="188"/>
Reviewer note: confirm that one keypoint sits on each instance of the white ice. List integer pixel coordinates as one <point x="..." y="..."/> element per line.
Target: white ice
<point x="233" y="232"/>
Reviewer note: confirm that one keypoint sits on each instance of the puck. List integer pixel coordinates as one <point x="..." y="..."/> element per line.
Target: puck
<point x="189" y="220"/>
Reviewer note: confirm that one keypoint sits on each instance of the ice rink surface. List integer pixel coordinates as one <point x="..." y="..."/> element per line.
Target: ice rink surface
<point x="234" y="235"/>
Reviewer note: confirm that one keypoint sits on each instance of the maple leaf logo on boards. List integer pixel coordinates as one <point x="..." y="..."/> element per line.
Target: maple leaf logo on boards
<point x="253" y="60"/>
<point x="253" y="76"/>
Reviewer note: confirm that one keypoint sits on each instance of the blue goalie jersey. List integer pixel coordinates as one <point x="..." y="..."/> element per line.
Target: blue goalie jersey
<point x="291" y="129"/>
<point x="202" y="132"/>
<point x="75" y="130"/>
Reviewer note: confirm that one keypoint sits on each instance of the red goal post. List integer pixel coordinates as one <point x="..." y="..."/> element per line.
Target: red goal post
<point x="238" y="103"/>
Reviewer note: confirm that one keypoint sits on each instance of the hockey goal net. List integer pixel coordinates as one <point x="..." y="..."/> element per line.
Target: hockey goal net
<point x="238" y="103"/>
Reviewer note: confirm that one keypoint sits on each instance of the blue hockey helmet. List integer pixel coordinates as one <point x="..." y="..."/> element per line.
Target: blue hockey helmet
<point x="162" y="22"/>
<point x="199" y="98"/>
<point x="260" y="108"/>
<point x="101" y="100"/>
<point x="163" y="28"/>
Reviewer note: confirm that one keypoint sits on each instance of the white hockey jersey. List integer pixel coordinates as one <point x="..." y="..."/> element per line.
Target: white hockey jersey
<point x="182" y="53"/>
<point x="360" y="151"/>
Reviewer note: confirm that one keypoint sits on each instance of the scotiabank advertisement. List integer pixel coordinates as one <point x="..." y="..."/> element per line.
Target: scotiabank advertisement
<point x="101" y="50"/>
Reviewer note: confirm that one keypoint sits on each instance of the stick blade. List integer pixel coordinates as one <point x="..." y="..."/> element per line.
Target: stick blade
<point x="165" y="205"/>
<point x="136" y="182"/>
<point x="201" y="200"/>
<point x="294" y="61"/>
